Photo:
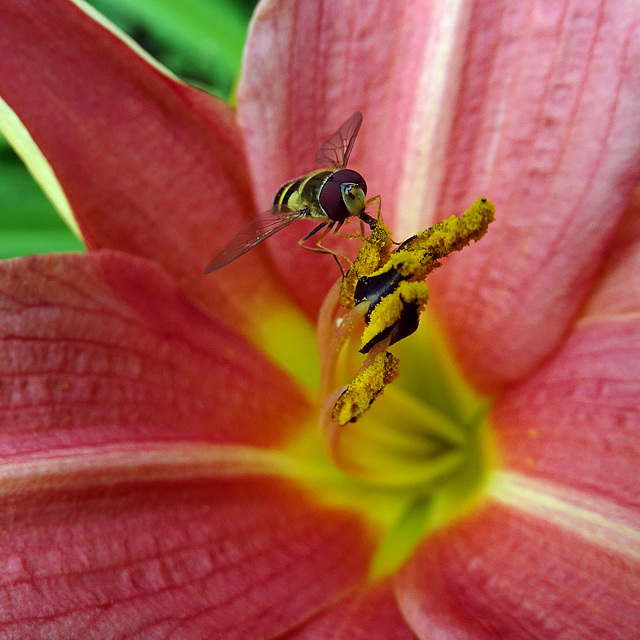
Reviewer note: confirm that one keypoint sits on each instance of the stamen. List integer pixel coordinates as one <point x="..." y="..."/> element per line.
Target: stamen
<point x="378" y="370"/>
<point x="387" y="290"/>
<point x="396" y="315"/>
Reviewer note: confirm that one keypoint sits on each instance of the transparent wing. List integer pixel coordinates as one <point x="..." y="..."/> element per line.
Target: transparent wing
<point x="259" y="229"/>
<point x="337" y="149"/>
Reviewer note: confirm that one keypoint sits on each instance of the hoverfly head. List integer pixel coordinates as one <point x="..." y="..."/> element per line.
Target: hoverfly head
<point x="343" y="195"/>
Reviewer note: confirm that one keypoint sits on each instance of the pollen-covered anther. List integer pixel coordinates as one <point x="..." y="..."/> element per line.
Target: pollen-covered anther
<point x="453" y="234"/>
<point x="373" y="253"/>
<point x="377" y="372"/>
<point x="397" y="315"/>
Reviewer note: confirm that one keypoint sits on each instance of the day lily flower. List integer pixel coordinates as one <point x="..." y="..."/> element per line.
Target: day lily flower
<point x="162" y="469"/>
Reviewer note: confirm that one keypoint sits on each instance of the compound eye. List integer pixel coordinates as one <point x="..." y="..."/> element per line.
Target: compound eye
<point x="331" y="201"/>
<point x="336" y="189"/>
<point x="353" y="177"/>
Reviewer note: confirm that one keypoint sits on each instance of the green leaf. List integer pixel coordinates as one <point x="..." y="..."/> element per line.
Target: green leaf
<point x="28" y="221"/>
<point x="199" y="40"/>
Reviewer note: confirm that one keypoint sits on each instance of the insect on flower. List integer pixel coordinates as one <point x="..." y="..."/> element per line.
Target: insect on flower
<point x="331" y="196"/>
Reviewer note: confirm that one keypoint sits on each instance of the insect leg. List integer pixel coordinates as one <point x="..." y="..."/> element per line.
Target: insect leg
<point x="319" y="248"/>
<point x="351" y="236"/>
<point x="312" y="233"/>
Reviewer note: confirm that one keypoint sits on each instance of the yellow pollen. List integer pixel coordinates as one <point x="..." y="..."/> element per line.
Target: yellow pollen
<point x="365" y="387"/>
<point x="389" y="309"/>
<point x="372" y="255"/>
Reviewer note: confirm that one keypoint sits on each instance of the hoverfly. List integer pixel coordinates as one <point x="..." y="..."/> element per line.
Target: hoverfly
<point x="328" y="195"/>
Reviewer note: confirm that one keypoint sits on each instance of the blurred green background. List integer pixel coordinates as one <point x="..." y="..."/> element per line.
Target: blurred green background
<point x="199" y="40"/>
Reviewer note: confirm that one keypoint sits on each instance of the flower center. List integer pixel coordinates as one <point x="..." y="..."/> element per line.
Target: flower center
<point x="419" y="457"/>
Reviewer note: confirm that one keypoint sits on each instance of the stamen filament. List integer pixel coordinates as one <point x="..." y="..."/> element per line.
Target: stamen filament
<point x="333" y="334"/>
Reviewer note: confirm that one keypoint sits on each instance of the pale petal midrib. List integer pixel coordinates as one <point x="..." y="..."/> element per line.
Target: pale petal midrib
<point x="429" y="124"/>
<point x="595" y="519"/>
<point x="136" y="462"/>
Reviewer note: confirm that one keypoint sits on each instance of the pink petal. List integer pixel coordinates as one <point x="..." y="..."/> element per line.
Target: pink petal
<point x="506" y="573"/>
<point x="103" y="348"/>
<point x="371" y="614"/>
<point x="576" y="422"/>
<point x="618" y="289"/>
<point x="241" y="559"/>
<point x="556" y="551"/>
<point x="148" y="164"/>
<point x="548" y="128"/>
